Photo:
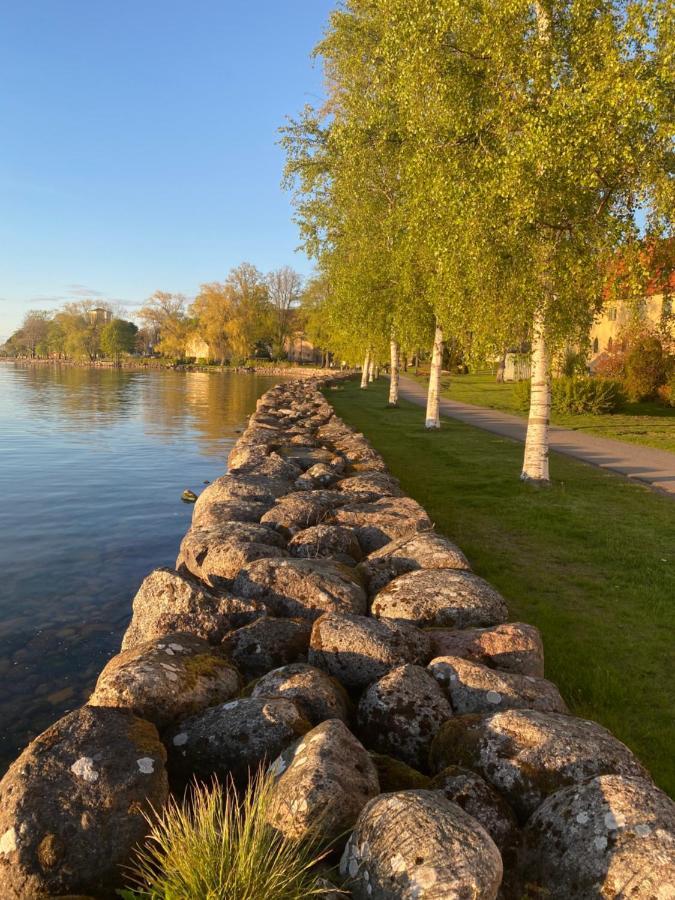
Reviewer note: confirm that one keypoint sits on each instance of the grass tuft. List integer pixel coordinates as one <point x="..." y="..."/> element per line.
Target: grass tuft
<point x="218" y="846"/>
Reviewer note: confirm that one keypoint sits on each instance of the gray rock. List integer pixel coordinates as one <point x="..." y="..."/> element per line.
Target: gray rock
<point x="306" y="457"/>
<point x="416" y="845"/>
<point x="527" y="755"/>
<point x="217" y="513"/>
<point x="316" y="694"/>
<point x="374" y="484"/>
<point x="472" y="688"/>
<point x="420" y="550"/>
<point x="234" y="739"/>
<point x="378" y="523"/>
<point x="167" y="602"/>
<point x="480" y="800"/>
<point x="215" y="555"/>
<point x="267" y="644"/>
<point x="319" y="476"/>
<point x="358" y="650"/>
<point x="255" y="461"/>
<point x="323" y="782"/>
<point x="400" y="714"/>
<point x="253" y="488"/>
<point x="512" y="647"/>
<point x="328" y="542"/>
<point x="440" y="597"/>
<point x="610" y="837"/>
<point x="297" y="511"/>
<point x="72" y="805"/>
<point x="306" y="588"/>
<point x="167" y="679"/>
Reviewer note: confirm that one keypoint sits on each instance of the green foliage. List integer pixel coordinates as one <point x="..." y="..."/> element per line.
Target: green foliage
<point x="598" y="396"/>
<point x="219" y="846"/>
<point x="646" y="368"/>
<point x="118" y="337"/>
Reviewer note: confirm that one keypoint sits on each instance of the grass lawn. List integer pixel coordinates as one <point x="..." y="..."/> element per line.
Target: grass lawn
<point x="590" y="561"/>
<point x="638" y="423"/>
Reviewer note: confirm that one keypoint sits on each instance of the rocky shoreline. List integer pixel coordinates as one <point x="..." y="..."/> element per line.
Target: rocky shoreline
<point x="316" y="624"/>
<point x="159" y="365"/>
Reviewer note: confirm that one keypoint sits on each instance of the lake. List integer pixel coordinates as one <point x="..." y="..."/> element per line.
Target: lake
<point x="92" y="466"/>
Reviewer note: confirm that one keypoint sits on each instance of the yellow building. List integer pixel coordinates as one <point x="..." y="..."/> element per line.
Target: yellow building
<point x="655" y="310"/>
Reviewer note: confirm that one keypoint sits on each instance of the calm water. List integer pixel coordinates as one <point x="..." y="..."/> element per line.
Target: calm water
<point x="92" y="466"/>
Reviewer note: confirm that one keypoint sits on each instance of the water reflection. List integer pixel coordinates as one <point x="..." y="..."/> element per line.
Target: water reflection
<point x="92" y="465"/>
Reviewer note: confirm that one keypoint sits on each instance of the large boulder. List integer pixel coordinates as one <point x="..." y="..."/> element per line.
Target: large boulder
<point x="527" y="755"/>
<point x="373" y="485"/>
<point x="472" y="688"/>
<point x="167" y="679"/>
<point x="167" y="602"/>
<point x="306" y="588"/>
<point x="255" y="461"/>
<point x="322" y="784"/>
<point x="267" y="644"/>
<point x="378" y="523"/>
<point x="420" y="550"/>
<point x="234" y="739"/>
<point x="326" y="542"/>
<point x="215" y="555"/>
<point x="297" y="511"/>
<point x="219" y="512"/>
<point x="359" y="650"/>
<point x="400" y="714"/>
<point x="512" y="647"/>
<point x="416" y="845"/>
<point x="480" y="800"/>
<point x="256" y="488"/>
<point x="440" y="597"/>
<point x="320" y="475"/>
<point x="72" y="805"/>
<point x="306" y="457"/>
<point x="610" y="837"/>
<point x="315" y="693"/>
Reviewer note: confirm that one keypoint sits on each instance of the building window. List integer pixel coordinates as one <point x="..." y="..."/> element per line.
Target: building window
<point x="612" y="314"/>
<point x="667" y="308"/>
<point x="610" y="344"/>
<point x="596" y="345"/>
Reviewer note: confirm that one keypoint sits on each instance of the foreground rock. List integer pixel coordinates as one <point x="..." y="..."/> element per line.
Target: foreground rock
<point x="378" y="523"/>
<point x="423" y="550"/>
<point x="166" y="679"/>
<point x="72" y="805"/>
<point x="528" y="755"/>
<point x="219" y="513"/>
<point x="400" y="714"/>
<point x="512" y="647"/>
<point x="306" y="588"/>
<point x="480" y="800"/>
<point x="440" y="598"/>
<point x="234" y="739"/>
<point x="373" y="484"/>
<point x="168" y="602"/>
<point x="215" y="555"/>
<point x="610" y="837"/>
<point x="297" y="511"/>
<point x="316" y="694"/>
<point x="472" y="688"/>
<point x="416" y="845"/>
<point x="267" y="644"/>
<point x="328" y="542"/>
<point x="359" y="650"/>
<point x="323" y="783"/>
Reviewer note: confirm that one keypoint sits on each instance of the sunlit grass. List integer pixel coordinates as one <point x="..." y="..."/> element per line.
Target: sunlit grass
<point x="219" y="846"/>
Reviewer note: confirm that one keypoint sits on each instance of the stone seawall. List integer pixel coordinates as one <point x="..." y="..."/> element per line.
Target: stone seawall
<point x="316" y="624"/>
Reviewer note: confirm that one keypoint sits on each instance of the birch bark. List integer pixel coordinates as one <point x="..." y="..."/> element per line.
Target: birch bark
<point x="433" y="397"/>
<point x="394" y="373"/>
<point x="365" y="371"/>
<point x="535" y="464"/>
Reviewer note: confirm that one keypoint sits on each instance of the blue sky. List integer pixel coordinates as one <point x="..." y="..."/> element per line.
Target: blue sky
<point x="138" y="144"/>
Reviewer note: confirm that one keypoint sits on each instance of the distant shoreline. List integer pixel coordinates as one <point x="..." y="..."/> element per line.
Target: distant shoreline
<point x="157" y="365"/>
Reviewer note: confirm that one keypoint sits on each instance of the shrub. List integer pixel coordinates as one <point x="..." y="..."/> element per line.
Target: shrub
<point x="646" y="368"/>
<point x="598" y="396"/>
<point x="220" y="845"/>
<point x="573" y="363"/>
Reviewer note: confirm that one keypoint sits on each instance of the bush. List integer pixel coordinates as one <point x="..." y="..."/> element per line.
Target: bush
<point x="599" y="396"/>
<point x="646" y="368"/>
<point x="220" y="845"/>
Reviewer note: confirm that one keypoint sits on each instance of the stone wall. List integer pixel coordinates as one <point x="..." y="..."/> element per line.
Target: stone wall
<point x="315" y="623"/>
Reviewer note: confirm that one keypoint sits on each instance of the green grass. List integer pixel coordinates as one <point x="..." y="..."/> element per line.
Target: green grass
<point x="590" y="561"/>
<point x="651" y="424"/>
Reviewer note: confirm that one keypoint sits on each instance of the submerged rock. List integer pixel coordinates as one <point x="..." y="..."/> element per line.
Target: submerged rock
<point x="420" y="550"/>
<point x="527" y="755"/>
<point x="416" y="845"/>
<point x="188" y="496"/>
<point x="400" y="714"/>
<point x="167" y="602"/>
<point x="512" y="647"/>
<point x="613" y="836"/>
<point x="267" y="644"/>
<point x="72" y="805"/>
<point x="359" y="650"/>
<point x="166" y="679"/>
<point x="316" y="694"/>
<point x="302" y="587"/>
<point x="322" y="784"/>
<point x="440" y="597"/>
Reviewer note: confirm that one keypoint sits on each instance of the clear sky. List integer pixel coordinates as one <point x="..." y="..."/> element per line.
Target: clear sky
<point x="138" y="144"/>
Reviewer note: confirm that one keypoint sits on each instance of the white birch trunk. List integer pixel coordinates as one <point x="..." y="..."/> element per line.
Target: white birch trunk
<point x="365" y="371"/>
<point x="394" y="373"/>
<point x="371" y="369"/>
<point x="535" y="464"/>
<point x="433" y="397"/>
